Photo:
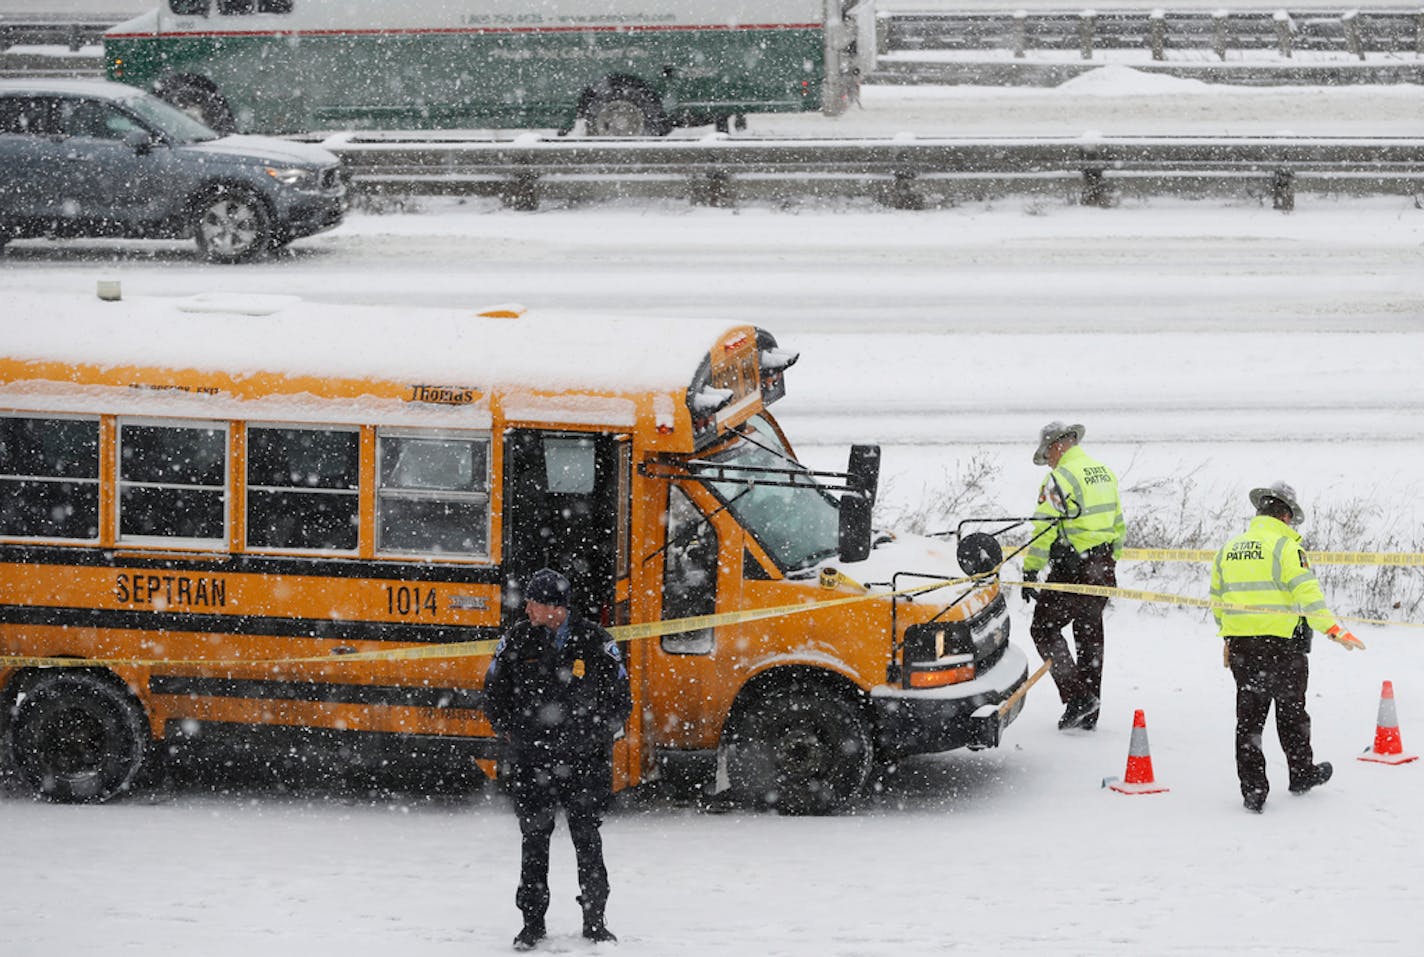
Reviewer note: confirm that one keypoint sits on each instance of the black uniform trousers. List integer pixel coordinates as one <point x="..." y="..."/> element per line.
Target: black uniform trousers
<point x="1270" y="669"/>
<point x="539" y="784"/>
<point x="1078" y="677"/>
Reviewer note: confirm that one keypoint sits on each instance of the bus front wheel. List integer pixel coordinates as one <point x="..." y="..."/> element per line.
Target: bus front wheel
<point x="77" y="737"/>
<point x="625" y="110"/>
<point x="231" y="225"/>
<point x="800" y="748"/>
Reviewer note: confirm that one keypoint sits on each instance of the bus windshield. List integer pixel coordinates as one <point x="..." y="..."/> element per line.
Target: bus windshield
<point x="797" y="525"/>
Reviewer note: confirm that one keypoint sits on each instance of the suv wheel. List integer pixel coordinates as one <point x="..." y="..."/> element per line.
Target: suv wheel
<point x="232" y="225"/>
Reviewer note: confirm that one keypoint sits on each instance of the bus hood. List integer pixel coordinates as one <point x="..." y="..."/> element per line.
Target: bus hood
<point x="265" y="149"/>
<point x="917" y="558"/>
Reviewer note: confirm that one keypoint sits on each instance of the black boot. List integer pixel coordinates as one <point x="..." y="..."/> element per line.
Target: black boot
<point x="1080" y="713"/>
<point x="1317" y="776"/>
<point x="594" y="928"/>
<point x="532" y="933"/>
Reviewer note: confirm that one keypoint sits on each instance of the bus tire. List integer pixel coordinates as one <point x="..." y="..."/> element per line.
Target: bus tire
<point x="625" y="110"/>
<point x="231" y="225"/>
<point x="77" y="737"/>
<point x="203" y="104"/>
<point x="800" y="748"/>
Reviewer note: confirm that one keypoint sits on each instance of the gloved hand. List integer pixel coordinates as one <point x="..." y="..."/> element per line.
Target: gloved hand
<point x="1342" y="637"/>
<point x="1030" y="594"/>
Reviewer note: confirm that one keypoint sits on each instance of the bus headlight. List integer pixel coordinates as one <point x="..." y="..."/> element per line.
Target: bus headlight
<point x="938" y="654"/>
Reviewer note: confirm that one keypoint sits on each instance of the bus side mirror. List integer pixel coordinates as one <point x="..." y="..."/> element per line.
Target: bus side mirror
<point x="862" y="481"/>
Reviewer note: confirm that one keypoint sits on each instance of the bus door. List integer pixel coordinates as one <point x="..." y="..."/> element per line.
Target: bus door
<point x="566" y="507"/>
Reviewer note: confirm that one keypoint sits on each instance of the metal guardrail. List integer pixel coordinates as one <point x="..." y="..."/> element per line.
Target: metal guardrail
<point x="903" y="173"/>
<point x="1352" y="32"/>
<point x="71" y="31"/>
<point x="1258" y="47"/>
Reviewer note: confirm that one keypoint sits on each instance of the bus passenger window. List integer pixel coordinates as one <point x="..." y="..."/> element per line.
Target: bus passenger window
<point x="433" y="496"/>
<point x="689" y="573"/>
<point x="238" y="7"/>
<point x="303" y="488"/>
<point x="189" y="8"/>
<point x="173" y="481"/>
<point x="49" y="477"/>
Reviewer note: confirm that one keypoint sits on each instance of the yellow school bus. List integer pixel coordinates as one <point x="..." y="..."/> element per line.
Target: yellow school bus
<point x="256" y="513"/>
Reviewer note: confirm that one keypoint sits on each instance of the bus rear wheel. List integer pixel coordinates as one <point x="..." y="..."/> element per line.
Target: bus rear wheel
<point x="625" y="110"/>
<point x="232" y="225"/>
<point x="801" y="749"/>
<point x="77" y="737"/>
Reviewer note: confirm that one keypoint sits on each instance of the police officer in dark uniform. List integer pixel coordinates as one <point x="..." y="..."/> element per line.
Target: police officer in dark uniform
<point x="557" y="693"/>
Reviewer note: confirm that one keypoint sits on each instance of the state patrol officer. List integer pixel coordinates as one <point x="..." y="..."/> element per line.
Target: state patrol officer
<point x="1267" y="601"/>
<point x="1078" y="530"/>
<point x="557" y="692"/>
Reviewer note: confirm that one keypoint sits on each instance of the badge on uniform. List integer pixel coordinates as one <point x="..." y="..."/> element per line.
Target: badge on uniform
<point x="578" y="667"/>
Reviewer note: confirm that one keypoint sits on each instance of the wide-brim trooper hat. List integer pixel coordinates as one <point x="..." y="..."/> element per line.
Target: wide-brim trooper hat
<point x="1051" y="433"/>
<point x="1282" y="493"/>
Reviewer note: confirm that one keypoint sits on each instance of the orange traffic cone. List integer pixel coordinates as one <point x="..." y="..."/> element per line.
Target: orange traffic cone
<point x="1138" y="777"/>
<point x="1388" y="749"/>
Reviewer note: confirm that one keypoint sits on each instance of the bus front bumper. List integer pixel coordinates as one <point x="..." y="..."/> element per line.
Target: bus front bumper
<point x="923" y="721"/>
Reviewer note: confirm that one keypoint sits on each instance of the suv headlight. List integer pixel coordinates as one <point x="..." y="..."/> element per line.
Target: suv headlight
<point x="292" y="176"/>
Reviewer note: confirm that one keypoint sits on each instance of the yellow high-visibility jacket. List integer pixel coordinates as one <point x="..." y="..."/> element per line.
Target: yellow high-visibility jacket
<point x="1086" y="489"/>
<point x="1265" y="567"/>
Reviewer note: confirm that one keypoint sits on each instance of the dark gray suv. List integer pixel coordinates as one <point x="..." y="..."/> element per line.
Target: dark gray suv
<point x="92" y="158"/>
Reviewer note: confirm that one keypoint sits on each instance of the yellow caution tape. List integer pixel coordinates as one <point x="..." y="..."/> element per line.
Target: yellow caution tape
<point x="1165" y="598"/>
<point x="657" y="629"/>
<point x="1392" y="559"/>
<point x="467" y="649"/>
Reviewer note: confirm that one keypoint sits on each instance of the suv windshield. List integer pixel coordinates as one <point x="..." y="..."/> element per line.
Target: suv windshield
<point x="172" y="122"/>
<point x="798" y="525"/>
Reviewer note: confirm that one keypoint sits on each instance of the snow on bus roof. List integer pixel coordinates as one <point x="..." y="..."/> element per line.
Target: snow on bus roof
<point x="242" y="333"/>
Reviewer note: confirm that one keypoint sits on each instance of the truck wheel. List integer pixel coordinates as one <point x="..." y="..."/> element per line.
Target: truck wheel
<point x="78" y="738"/>
<point x="801" y="749"/>
<point x="204" y="105"/>
<point x="625" y="111"/>
<point x="232" y="225"/>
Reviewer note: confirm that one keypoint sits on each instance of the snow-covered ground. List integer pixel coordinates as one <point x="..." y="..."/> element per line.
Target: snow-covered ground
<point x="1213" y="345"/>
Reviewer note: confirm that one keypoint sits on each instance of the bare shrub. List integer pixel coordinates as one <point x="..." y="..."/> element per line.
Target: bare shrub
<point x="1181" y="511"/>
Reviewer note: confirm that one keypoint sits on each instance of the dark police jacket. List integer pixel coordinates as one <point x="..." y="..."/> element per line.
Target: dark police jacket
<point x="553" y="703"/>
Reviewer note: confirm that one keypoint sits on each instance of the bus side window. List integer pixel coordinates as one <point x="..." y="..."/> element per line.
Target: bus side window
<point x="689" y="573"/>
<point x="239" y="7"/>
<point x="433" y="494"/>
<point x="173" y="481"/>
<point x="303" y="488"/>
<point x="49" y="477"/>
<point x="189" y="8"/>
